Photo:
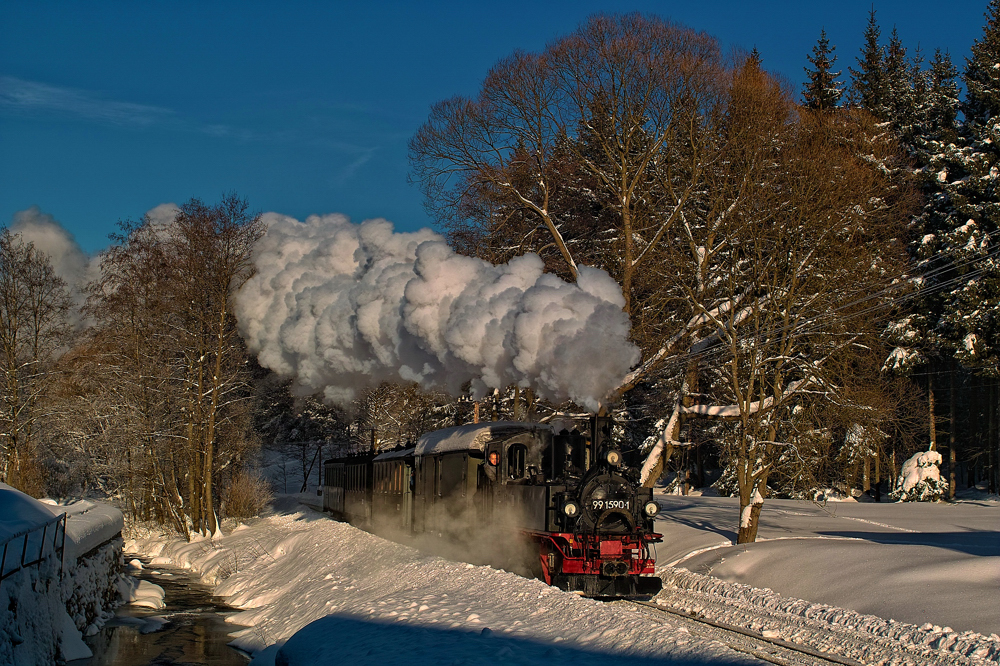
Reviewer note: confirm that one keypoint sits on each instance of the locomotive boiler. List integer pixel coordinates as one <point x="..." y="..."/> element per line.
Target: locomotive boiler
<point x="568" y="494"/>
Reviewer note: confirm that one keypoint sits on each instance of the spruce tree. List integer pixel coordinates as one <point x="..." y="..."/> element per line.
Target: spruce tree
<point x="982" y="73"/>
<point x="823" y="91"/>
<point x="899" y="101"/>
<point x="938" y="111"/>
<point x="868" y="81"/>
<point x="960" y="234"/>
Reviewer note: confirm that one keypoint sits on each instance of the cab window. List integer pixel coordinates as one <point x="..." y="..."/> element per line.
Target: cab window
<point x="515" y="461"/>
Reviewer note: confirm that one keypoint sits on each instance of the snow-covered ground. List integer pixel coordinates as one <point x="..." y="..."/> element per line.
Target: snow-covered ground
<point x="377" y="601"/>
<point x="322" y="592"/>
<point x="912" y="562"/>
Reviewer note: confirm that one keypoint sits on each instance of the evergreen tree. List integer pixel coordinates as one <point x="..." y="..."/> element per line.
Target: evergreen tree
<point x="938" y="111"/>
<point x="960" y="234"/>
<point x="868" y="81"/>
<point x="899" y="101"/>
<point x="823" y="91"/>
<point x="982" y="75"/>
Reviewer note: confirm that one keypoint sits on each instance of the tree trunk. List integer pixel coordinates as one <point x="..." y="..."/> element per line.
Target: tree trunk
<point x="952" y="425"/>
<point x="930" y="411"/>
<point x="878" y="476"/>
<point x="991" y="442"/>
<point x="750" y="507"/>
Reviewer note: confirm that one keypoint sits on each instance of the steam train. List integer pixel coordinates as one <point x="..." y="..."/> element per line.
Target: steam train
<point x="567" y="494"/>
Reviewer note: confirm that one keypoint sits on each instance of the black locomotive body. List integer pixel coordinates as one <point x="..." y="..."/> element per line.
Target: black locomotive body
<point x="587" y="518"/>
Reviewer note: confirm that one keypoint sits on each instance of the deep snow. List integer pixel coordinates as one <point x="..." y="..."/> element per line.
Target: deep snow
<point x="914" y="562"/>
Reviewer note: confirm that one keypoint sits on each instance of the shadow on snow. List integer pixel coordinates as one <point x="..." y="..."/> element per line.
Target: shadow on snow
<point x="338" y="639"/>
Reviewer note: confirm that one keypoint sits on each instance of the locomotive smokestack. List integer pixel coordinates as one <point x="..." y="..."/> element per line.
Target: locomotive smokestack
<point x="600" y="432"/>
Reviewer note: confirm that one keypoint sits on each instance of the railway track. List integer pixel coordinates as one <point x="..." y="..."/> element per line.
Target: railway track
<point x="785" y="638"/>
<point x="770" y="649"/>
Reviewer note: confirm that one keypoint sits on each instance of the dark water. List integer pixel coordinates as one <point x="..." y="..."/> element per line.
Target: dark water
<point x="190" y="630"/>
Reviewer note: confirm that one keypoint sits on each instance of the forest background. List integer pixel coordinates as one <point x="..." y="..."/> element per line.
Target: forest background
<point x="813" y="284"/>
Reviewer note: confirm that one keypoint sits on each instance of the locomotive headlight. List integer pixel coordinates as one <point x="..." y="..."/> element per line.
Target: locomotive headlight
<point x="651" y="509"/>
<point x="571" y="508"/>
<point x="614" y="457"/>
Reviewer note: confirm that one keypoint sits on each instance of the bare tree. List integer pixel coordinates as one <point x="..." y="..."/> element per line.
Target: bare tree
<point x="812" y="250"/>
<point x="622" y="103"/>
<point x="34" y="305"/>
<point x="165" y="321"/>
<point x="749" y="236"/>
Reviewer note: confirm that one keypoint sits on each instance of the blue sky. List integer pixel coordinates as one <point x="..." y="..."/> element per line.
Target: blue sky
<point x="109" y="109"/>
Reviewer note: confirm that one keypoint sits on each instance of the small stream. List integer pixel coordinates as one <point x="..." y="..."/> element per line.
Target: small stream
<point x="191" y="629"/>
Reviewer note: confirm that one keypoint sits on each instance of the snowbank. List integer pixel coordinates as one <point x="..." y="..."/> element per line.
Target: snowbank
<point x="864" y="638"/>
<point x="141" y="593"/>
<point x="314" y="591"/>
<point x="362" y="642"/>
<point x="287" y="571"/>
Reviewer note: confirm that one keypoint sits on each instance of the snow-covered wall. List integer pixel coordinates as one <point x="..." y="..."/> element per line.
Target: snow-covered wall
<point x="45" y="609"/>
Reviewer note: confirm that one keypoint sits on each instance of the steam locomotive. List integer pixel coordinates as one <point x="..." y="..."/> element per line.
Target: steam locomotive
<point x="578" y="507"/>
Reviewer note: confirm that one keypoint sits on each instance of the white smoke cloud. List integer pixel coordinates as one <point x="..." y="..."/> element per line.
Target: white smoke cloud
<point x="340" y="307"/>
<point x="68" y="259"/>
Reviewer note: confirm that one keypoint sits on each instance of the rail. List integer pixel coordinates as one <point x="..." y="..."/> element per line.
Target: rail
<point x="757" y="636"/>
<point x="32" y="544"/>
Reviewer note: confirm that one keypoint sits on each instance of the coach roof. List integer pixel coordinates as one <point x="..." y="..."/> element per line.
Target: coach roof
<point x="472" y="437"/>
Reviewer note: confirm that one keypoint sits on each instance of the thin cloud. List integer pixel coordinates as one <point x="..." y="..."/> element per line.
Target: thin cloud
<point x="21" y="95"/>
<point x="346" y="173"/>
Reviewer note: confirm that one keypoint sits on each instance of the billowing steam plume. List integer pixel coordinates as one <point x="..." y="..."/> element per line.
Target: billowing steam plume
<point x="340" y="307"/>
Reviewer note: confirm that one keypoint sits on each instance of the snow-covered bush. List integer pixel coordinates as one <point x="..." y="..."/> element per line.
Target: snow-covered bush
<point x="920" y="479"/>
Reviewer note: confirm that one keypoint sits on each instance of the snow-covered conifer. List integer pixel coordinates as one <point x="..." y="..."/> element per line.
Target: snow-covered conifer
<point x="920" y="479"/>
<point x="982" y="71"/>
<point x="939" y="110"/>
<point x="868" y="81"/>
<point x="898" y="105"/>
<point x="823" y="90"/>
<point x="960" y="226"/>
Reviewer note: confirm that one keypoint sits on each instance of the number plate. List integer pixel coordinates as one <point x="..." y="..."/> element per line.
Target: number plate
<point x="607" y="504"/>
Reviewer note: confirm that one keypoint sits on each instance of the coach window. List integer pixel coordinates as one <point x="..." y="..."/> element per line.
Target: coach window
<point x="515" y="460"/>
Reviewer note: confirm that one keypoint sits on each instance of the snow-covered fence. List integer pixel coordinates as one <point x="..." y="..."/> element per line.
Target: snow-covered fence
<point x="31" y="546"/>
